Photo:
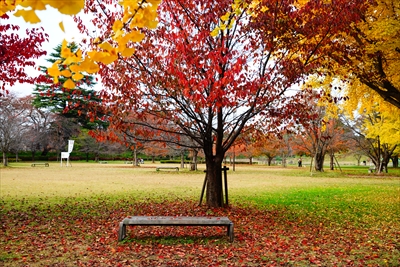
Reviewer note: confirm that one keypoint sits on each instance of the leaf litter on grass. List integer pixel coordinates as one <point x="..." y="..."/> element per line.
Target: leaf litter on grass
<point x="84" y="233"/>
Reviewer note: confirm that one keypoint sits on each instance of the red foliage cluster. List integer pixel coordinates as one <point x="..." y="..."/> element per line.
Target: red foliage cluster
<point x="17" y="53"/>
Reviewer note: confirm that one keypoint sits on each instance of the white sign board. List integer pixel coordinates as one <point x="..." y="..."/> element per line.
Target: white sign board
<point x="70" y="145"/>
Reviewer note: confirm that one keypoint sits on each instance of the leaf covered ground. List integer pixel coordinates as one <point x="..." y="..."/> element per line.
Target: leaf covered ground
<point x="83" y="232"/>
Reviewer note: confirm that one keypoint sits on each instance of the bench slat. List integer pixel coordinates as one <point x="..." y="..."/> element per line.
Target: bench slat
<point x="171" y="220"/>
<point x="166" y="168"/>
<point x="175" y="221"/>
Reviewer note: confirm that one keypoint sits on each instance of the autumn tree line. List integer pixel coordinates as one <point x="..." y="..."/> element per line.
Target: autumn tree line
<point x="28" y="128"/>
<point x="209" y="76"/>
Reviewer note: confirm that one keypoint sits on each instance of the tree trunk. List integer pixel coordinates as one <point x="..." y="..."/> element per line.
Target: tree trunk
<point x="358" y="158"/>
<point x="269" y="160"/>
<point x="395" y="160"/>
<point x="193" y="166"/>
<point x="332" y="161"/>
<point x="214" y="182"/>
<point x="5" y="160"/>
<point x="182" y="160"/>
<point x="319" y="161"/>
<point x="135" y="160"/>
<point x="45" y="151"/>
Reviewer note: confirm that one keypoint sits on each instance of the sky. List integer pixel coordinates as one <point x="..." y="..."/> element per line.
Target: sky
<point x="50" y="20"/>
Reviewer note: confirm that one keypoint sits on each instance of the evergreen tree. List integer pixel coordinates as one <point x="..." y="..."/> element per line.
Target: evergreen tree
<point x="79" y="104"/>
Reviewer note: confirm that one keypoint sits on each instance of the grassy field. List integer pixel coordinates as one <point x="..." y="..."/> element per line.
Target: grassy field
<point x="68" y="216"/>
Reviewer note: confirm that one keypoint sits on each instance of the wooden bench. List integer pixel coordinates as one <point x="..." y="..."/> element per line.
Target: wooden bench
<point x="40" y="163"/>
<point x="166" y="168"/>
<point x="371" y="169"/>
<point x="103" y="162"/>
<point x="175" y="221"/>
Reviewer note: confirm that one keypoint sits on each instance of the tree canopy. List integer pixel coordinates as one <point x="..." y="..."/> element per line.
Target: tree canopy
<point x="17" y="53"/>
<point x="185" y="82"/>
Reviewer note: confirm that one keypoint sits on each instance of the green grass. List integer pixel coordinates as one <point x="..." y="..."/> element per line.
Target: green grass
<point x="282" y="216"/>
<point x="337" y="196"/>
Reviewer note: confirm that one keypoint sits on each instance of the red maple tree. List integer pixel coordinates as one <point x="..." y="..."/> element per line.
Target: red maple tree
<point x="211" y="89"/>
<point x="17" y="53"/>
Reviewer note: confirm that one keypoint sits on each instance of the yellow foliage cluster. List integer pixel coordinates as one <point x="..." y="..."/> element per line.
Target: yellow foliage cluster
<point x="382" y="31"/>
<point x="136" y="14"/>
<point x="237" y="7"/>
<point x="67" y="7"/>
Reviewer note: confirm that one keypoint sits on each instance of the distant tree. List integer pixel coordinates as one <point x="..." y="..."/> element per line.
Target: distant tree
<point x="155" y="149"/>
<point x="338" y="141"/>
<point x="268" y="146"/>
<point x="378" y="136"/>
<point x="315" y="138"/>
<point x="37" y="136"/>
<point x="79" y="104"/>
<point x="13" y="124"/>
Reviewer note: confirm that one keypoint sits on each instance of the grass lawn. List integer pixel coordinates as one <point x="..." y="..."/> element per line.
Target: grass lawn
<point x="69" y="216"/>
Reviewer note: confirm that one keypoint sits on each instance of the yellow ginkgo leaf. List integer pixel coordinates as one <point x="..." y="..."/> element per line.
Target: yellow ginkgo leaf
<point x="89" y="66"/>
<point x="225" y="17"/>
<point x="106" y="46"/>
<point x="66" y="73"/>
<point x="215" y="32"/>
<point x="53" y="70"/>
<point x="127" y="52"/>
<point x="61" y="26"/>
<point x="75" y="68"/>
<point x="96" y="56"/>
<point x="117" y="25"/>
<point x="65" y="51"/>
<point x="108" y="59"/>
<point x="152" y="24"/>
<point x="68" y="7"/>
<point x="28" y="15"/>
<point x="34" y="4"/>
<point x="77" y="76"/>
<point x="69" y="84"/>
<point x="72" y="57"/>
<point x="135" y="36"/>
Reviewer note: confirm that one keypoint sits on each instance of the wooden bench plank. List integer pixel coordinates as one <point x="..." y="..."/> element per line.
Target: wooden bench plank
<point x="166" y="168"/>
<point x="40" y="163"/>
<point x="175" y="221"/>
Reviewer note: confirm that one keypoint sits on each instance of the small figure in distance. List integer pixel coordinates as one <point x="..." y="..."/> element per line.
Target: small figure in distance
<point x="299" y="163"/>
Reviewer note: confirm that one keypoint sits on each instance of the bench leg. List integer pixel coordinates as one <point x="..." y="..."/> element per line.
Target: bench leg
<point x="121" y="231"/>
<point x="230" y="232"/>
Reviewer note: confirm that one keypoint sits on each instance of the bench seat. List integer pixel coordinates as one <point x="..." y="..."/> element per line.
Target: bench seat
<point x="167" y="168"/>
<point x="175" y="221"/>
<point x="40" y="163"/>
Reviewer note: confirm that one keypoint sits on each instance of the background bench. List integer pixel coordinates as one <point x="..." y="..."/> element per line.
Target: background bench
<point x="175" y="221"/>
<point x="40" y="163"/>
<point x="166" y="168"/>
